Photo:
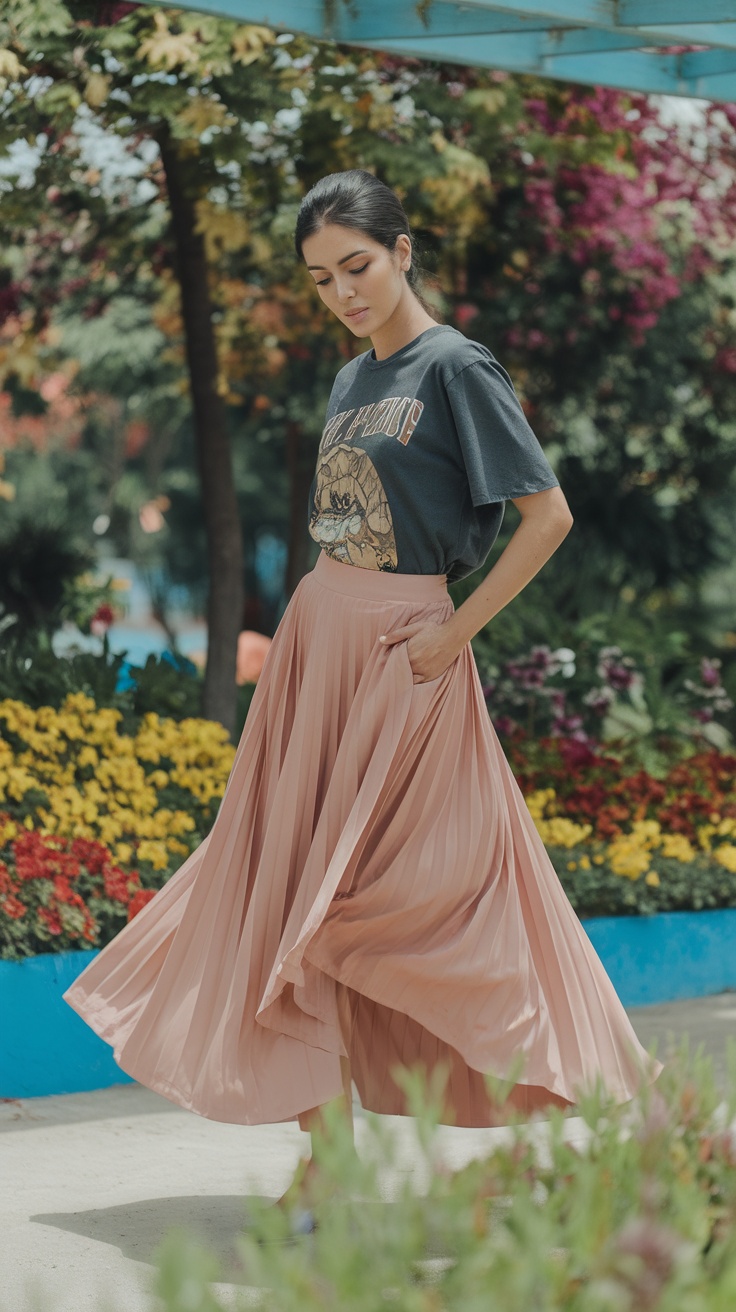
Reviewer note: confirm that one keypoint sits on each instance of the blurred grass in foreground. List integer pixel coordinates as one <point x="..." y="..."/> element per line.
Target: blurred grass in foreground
<point x="625" y="1208"/>
<point x="639" y="1213"/>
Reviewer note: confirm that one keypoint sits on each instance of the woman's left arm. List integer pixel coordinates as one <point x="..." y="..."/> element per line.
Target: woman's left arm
<point x="546" y="521"/>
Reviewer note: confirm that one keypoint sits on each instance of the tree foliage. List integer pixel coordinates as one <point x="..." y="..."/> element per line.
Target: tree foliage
<point x="587" y="243"/>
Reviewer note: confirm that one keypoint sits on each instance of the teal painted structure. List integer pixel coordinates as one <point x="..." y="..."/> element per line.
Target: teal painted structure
<point x="629" y="44"/>
<point x="676" y="954"/>
<point x="45" y="1047"/>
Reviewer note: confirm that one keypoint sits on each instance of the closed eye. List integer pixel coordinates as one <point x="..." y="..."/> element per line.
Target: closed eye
<point x="323" y="282"/>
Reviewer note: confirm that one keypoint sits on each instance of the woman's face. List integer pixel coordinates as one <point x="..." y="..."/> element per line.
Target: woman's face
<point x="357" y="278"/>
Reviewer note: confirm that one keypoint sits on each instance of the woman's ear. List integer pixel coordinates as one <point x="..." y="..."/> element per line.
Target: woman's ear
<point x="403" y="250"/>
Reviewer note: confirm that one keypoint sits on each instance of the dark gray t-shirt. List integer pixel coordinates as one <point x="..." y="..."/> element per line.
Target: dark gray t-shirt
<point x="418" y="455"/>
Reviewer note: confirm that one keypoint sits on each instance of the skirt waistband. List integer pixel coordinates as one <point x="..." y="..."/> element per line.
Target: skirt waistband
<point x="378" y="584"/>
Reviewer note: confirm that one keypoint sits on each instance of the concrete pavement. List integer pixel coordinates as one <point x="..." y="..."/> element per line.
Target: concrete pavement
<point x="90" y="1182"/>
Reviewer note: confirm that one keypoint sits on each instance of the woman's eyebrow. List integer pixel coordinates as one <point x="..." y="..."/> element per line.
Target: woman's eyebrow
<point x="344" y="259"/>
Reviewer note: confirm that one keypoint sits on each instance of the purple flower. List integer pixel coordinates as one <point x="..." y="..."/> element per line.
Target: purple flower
<point x="505" y="724"/>
<point x="619" y="678"/>
<point x="709" y="671"/>
<point x="616" y="669"/>
<point x="599" y="699"/>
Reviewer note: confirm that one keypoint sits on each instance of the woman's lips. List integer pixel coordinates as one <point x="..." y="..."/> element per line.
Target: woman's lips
<point x="356" y="314"/>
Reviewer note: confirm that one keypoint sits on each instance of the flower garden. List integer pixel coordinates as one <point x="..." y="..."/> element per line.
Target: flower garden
<point x="95" y="819"/>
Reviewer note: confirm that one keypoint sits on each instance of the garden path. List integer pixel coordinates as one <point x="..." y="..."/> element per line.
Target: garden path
<point x="91" y="1181"/>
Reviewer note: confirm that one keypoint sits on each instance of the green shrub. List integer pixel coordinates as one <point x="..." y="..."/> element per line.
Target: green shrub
<point x="698" y="885"/>
<point x="32" y="672"/>
<point x="632" y="1211"/>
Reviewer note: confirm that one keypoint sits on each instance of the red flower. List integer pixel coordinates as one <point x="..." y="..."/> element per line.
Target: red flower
<point x="63" y="889"/>
<point x="103" y="617"/>
<point x="42" y="858"/>
<point x="13" y="907"/>
<point x="6" y="879"/>
<point x="576" y="755"/>
<point x="116" y="884"/>
<point x="92" y="855"/>
<point x="67" y="865"/>
<point x="51" y="918"/>
<point x="139" y="900"/>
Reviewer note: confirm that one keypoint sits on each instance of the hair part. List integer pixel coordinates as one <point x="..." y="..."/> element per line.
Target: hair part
<point x="358" y="199"/>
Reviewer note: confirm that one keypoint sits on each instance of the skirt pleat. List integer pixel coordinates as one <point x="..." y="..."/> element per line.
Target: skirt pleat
<point x="373" y="886"/>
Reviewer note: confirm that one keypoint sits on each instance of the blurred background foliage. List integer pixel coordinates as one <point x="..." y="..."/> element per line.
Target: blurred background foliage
<point x="586" y="238"/>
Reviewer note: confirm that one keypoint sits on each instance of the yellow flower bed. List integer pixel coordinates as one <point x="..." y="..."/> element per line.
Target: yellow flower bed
<point x="72" y="772"/>
<point x="725" y="855"/>
<point x="629" y="854"/>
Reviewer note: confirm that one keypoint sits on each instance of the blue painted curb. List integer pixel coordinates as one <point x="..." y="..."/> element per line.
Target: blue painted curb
<point x="46" y="1047"/>
<point x="672" y="955"/>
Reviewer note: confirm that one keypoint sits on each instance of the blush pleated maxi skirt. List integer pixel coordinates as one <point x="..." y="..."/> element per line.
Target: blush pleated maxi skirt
<point x="373" y="886"/>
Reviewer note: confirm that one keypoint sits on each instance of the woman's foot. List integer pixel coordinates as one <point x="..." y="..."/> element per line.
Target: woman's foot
<point x="304" y="1189"/>
<point x="298" y="1200"/>
<point x="300" y="1192"/>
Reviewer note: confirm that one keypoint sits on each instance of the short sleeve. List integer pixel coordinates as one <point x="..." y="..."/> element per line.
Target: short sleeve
<point x="502" y="454"/>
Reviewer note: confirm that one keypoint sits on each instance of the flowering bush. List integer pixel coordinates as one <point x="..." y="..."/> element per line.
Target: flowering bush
<point x="93" y="820"/>
<point x="91" y="604"/>
<point x="581" y="698"/>
<point x="627" y="842"/>
<point x="60" y="893"/>
<point x="149" y="797"/>
<point x="592" y="786"/>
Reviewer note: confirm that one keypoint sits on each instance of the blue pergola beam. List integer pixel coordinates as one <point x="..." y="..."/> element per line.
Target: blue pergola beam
<point x="445" y="18"/>
<point x="711" y="23"/>
<point x="617" y="15"/>
<point x="465" y="20"/>
<point x="654" y="13"/>
<point x="629" y="70"/>
<point x="585" y="41"/>
<point x="458" y="19"/>
<point x="399" y="18"/>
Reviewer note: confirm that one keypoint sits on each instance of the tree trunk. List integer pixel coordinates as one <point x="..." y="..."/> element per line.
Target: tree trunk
<point x="214" y="459"/>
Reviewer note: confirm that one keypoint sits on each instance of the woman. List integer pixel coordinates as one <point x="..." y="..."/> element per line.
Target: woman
<point x="374" y="893"/>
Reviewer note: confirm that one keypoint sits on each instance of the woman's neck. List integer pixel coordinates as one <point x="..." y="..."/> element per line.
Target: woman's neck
<point x="406" y="323"/>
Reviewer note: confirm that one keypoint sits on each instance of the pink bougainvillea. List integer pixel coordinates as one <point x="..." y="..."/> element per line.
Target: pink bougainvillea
<point x="599" y="216"/>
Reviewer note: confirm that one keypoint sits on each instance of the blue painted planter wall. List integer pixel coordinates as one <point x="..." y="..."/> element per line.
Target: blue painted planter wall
<point x="45" y="1047"/>
<point x="676" y="954"/>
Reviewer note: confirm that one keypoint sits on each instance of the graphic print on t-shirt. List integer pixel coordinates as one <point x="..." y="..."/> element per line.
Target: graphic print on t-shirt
<point x="350" y="518"/>
<point x="396" y="416"/>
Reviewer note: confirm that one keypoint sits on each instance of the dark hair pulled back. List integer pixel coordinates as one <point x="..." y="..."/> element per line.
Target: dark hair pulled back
<point x="357" y="199"/>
